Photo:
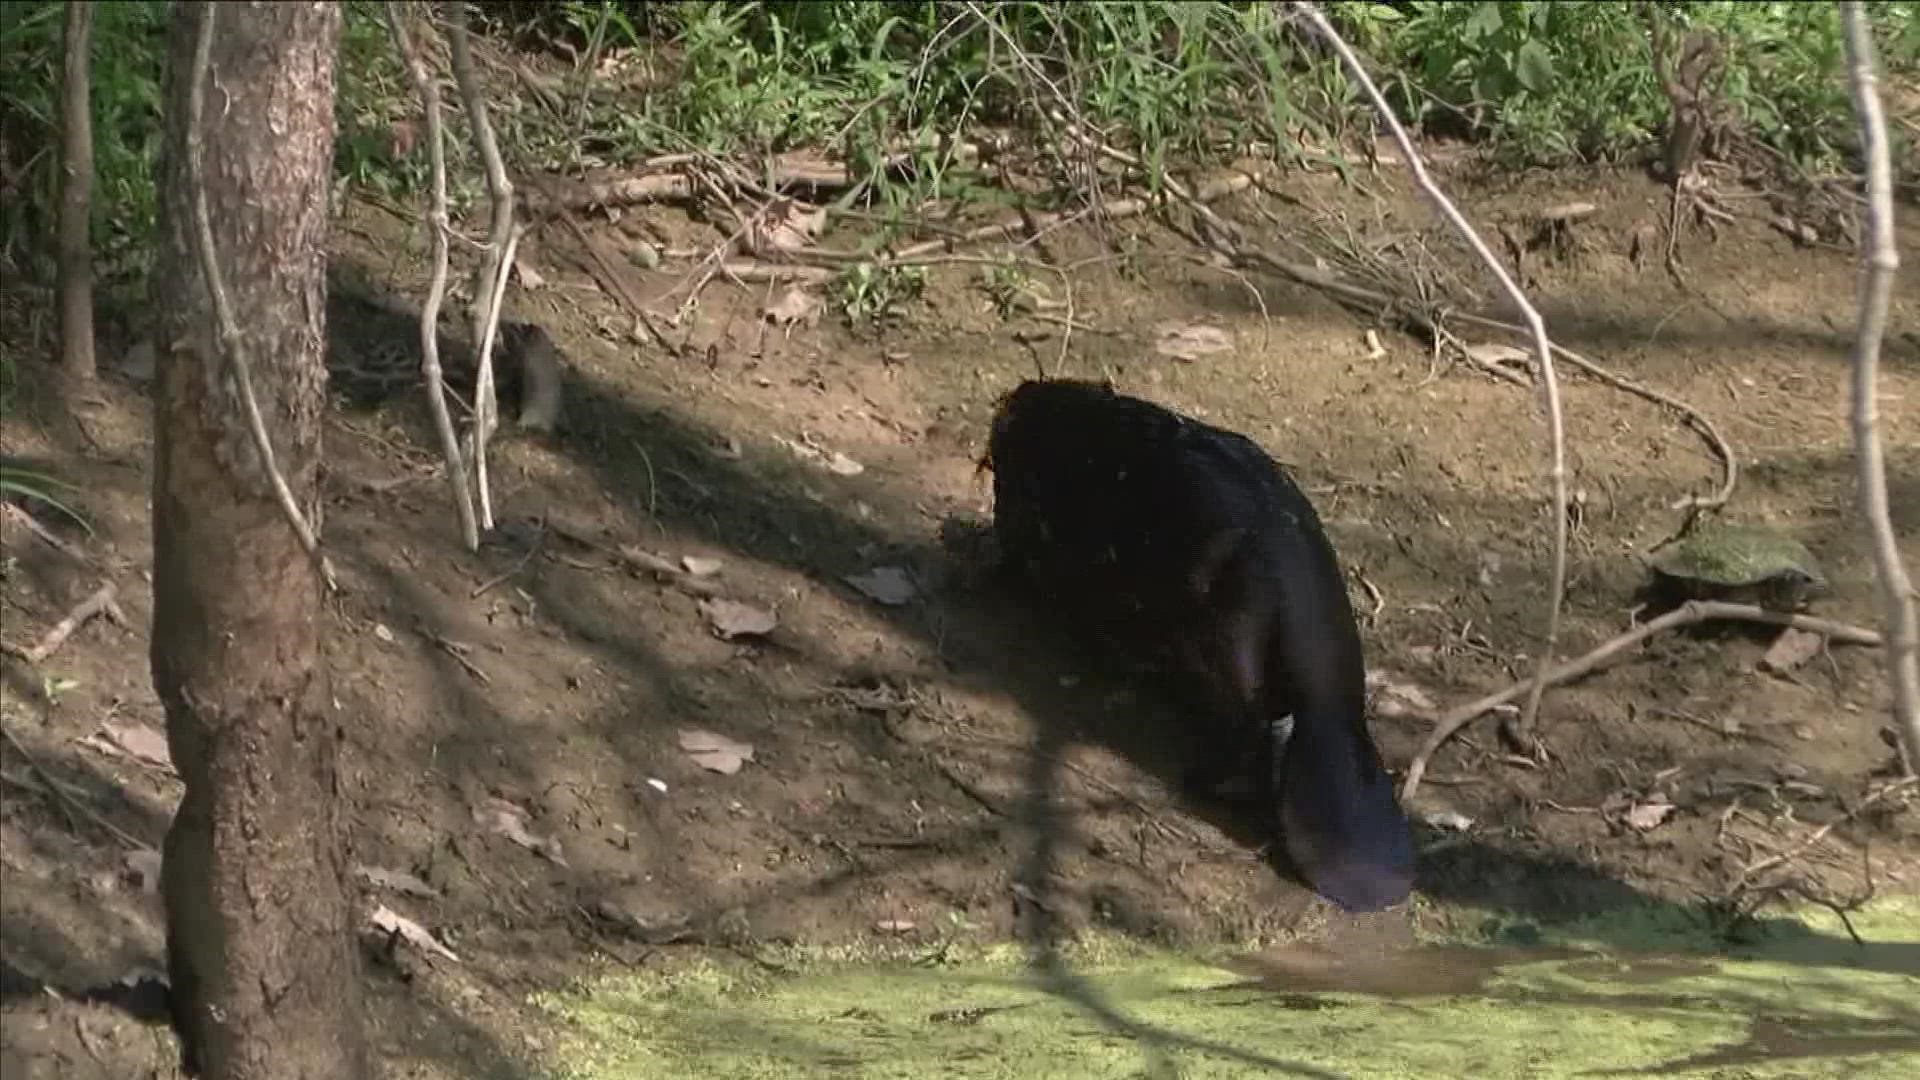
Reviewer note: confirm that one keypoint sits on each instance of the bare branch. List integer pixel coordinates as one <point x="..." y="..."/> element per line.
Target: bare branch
<point x="1876" y="288"/>
<point x="223" y="307"/>
<point x="67" y="797"/>
<point x="484" y="392"/>
<point x="490" y="283"/>
<point x="437" y="224"/>
<point x="99" y="602"/>
<point x="1543" y="350"/>
<point x="1698" y="611"/>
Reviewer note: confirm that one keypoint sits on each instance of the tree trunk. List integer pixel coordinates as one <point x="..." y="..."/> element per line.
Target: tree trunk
<point x="260" y="911"/>
<point x="76" y="198"/>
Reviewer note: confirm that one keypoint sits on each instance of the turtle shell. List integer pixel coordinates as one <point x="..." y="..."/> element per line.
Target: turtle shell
<point x="1731" y="561"/>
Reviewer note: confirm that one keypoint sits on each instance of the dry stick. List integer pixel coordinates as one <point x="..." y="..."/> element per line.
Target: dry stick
<point x="1729" y="465"/>
<point x="1375" y="299"/>
<point x="101" y="602"/>
<point x="491" y="283"/>
<point x="222" y="308"/>
<point x="1013" y="229"/>
<point x="1820" y="833"/>
<point x="46" y="535"/>
<point x="612" y="283"/>
<point x="59" y="792"/>
<point x="1216" y="189"/>
<point x="429" y="91"/>
<point x="1876" y="286"/>
<point x="1549" y="381"/>
<point x="1697" y="611"/>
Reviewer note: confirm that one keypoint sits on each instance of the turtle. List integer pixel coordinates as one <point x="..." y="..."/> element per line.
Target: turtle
<point x="1739" y="563"/>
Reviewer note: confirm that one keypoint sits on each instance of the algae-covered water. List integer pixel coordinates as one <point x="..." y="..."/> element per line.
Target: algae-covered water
<point x="1605" y="998"/>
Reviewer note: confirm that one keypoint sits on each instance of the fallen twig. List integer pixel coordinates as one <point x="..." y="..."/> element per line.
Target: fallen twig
<point x="459" y="650"/>
<point x="1723" y="450"/>
<point x="66" y="800"/>
<point x="1876" y="288"/>
<point x="1697" y="611"/>
<point x="532" y="550"/>
<point x="1820" y="833"/>
<point x="611" y="281"/>
<point x="654" y="184"/>
<point x="99" y="603"/>
<point x="1520" y="732"/>
<point x="1375" y="301"/>
<point x="48" y="536"/>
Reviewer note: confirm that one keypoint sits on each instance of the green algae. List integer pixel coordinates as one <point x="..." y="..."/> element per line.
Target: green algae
<point x="1645" y="991"/>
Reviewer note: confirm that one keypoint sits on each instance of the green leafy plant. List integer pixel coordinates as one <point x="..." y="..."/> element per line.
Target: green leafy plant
<point x="127" y="58"/>
<point x="17" y="482"/>
<point x="1010" y="287"/>
<point x="1552" y="82"/>
<point x="868" y="294"/>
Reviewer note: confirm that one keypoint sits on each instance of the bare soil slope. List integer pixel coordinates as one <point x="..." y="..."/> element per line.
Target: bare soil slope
<point x="896" y="748"/>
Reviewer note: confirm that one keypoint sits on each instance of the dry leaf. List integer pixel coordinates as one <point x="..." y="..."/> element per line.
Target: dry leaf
<point x="809" y="448"/>
<point x="141" y="742"/>
<point x="529" y="277"/>
<point x="1449" y="820"/>
<point x="1792" y="648"/>
<point x="786" y="226"/>
<point x="1394" y="698"/>
<point x="1495" y="354"/>
<point x="1648" y="815"/>
<point x="390" y="921"/>
<point x="400" y="882"/>
<point x="380" y="631"/>
<point x="794" y="305"/>
<point x="700" y="565"/>
<point x="732" y="619"/>
<point x="1191" y="342"/>
<point x="715" y="753"/>
<point x="1573" y="211"/>
<point x="894" y="926"/>
<point x="647" y="560"/>
<point x="510" y="821"/>
<point x="887" y="585"/>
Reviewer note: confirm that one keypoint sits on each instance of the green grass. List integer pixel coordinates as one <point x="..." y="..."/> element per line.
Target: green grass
<point x="1634" y="992"/>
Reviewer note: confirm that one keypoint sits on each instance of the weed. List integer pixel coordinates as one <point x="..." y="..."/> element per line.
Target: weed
<point x="868" y="294"/>
<point x="1010" y="287"/>
<point x="1553" y="82"/>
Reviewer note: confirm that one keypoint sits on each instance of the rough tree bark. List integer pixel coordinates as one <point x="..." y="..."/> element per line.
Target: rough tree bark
<point x="76" y="198"/>
<point x="264" y="967"/>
